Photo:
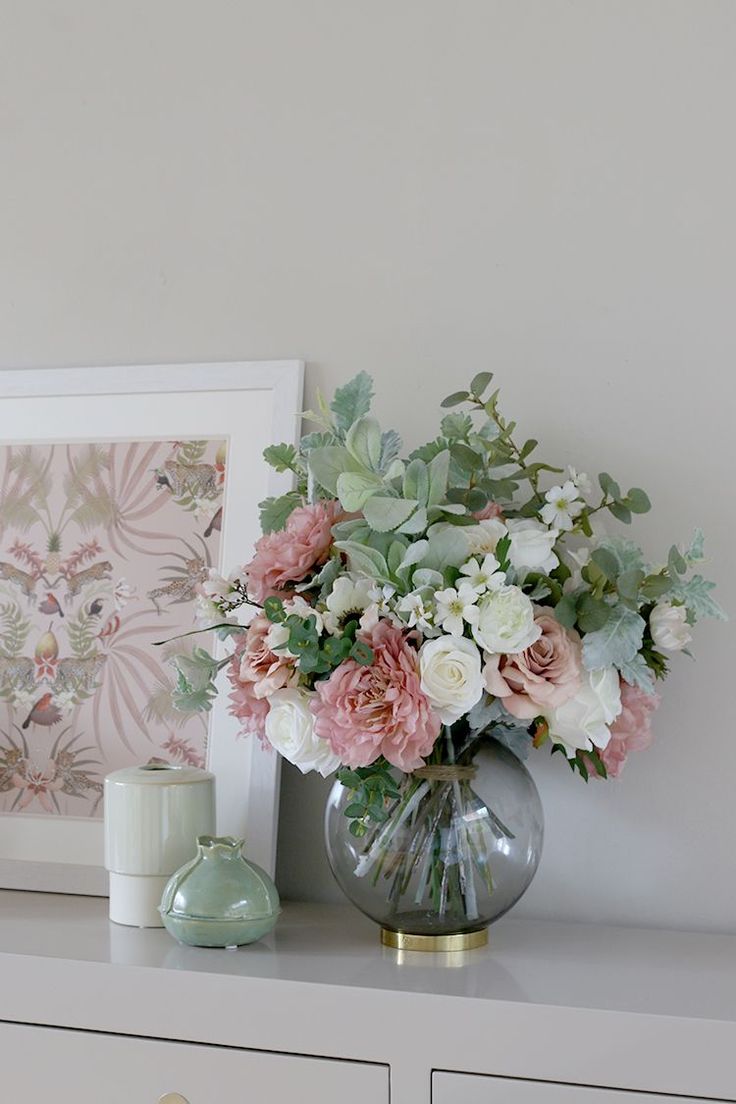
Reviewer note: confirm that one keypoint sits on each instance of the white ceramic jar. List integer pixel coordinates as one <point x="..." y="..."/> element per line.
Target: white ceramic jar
<point x="153" y="816"/>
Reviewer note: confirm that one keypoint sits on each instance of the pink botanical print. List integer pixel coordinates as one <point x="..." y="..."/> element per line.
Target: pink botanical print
<point x="102" y="547"/>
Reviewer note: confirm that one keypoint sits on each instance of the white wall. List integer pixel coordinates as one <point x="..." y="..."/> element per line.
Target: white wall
<point x="423" y="189"/>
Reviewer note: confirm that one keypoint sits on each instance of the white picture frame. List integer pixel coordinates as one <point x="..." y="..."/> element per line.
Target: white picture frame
<point x="252" y="403"/>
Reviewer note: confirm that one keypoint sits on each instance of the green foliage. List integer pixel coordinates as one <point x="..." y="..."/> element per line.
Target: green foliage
<point x="275" y="512"/>
<point x="315" y="656"/>
<point x="372" y="790"/>
<point x="191" y="452"/>
<point x="695" y="594"/>
<point x="82" y="633"/>
<point x="455" y="399"/>
<point x="351" y="402"/>
<point x="583" y="762"/>
<point x="617" y="642"/>
<point x="637" y="672"/>
<point x="15" y="629"/>
<point x="281" y="457"/>
<point x="386" y="514"/>
<point x="195" y="689"/>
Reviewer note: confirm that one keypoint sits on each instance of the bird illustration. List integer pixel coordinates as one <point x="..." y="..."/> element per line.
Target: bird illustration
<point x="51" y="605"/>
<point x="216" y="523"/>
<point x="95" y="608"/>
<point x="45" y="713"/>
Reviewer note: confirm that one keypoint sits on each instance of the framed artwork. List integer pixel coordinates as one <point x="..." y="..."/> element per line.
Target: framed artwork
<point x="119" y="489"/>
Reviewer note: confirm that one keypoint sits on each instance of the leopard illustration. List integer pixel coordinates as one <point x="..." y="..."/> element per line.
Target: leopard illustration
<point x="16" y="672"/>
<point x="73" y="675"/>
<point x="184" y="587"/>
<point x="22" y="579"/>
<point x="197" y="480"/>
<point x="93" y="574"/>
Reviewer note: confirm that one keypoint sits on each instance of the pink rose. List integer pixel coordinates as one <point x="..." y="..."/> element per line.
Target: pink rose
<point x="542" y="677"/>
<point x="289" y="554"/>
<point x="265" y="669"/>
<point x="364" y="712"/>
<point x="249" y="709"/>
<point x="632" y="729"/>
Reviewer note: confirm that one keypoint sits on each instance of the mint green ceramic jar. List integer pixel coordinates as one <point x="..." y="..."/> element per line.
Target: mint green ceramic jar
<point x="219" y="899"/>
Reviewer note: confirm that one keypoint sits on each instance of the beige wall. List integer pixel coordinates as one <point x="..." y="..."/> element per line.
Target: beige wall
<point x="422" y="188"/>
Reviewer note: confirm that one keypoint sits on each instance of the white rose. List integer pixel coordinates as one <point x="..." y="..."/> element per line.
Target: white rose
<point x="669" y="628"/>
<point x="505" y="621"/>
<point x="532" y="547"/>
<point x="450" y="676"/>
<point x="483" y="537"/>
<point x="290" y="730"/>
<point x="583" y="721"/>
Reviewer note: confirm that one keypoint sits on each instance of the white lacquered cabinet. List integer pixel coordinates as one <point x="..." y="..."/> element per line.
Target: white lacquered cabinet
<point x="320" y="1013"/>
<point x="455" y="1088"/>
<point x="42" y="1064"/>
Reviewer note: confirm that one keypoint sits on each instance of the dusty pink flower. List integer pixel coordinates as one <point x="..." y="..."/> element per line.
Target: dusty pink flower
<point x="489" y="511"/>
<point x="632" y="729"/>
<point x="544" y="676"/>
<point x="250" y="710"/>
<point x="289" y="554"/>
<point x="364" y="712"/>
<point x="263" y="668"/>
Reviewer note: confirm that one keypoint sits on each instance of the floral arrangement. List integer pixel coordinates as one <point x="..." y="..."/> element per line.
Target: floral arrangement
<point x="406" y="608"/>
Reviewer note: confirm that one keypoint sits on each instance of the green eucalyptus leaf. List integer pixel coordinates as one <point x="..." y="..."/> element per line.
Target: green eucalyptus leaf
<point x="621" y="512"/>
<point x="654" y="587"/>
<point x="592" y="613"/>
<point x="609" y="486"/>
<point x="607" y="562"/>
<point x="467" y="459"/>
<point x="455" y="399"/>
<point x="637" y="501"/>
<point x="479" y="383"/>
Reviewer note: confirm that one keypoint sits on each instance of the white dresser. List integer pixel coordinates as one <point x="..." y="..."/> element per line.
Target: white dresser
<point x="92" y="1013"/>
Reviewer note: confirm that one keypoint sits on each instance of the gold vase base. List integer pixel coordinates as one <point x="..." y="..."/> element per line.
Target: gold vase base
<point x="462" y="941"/>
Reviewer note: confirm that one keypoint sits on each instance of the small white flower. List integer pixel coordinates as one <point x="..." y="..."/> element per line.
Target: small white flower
<point x="531" y="547"/>
<point x="669" y="628"/>
<point x="450" y="676"/>
<point x="506" y="621"/>
<point x="581" y="480"/>
<point x="483" y="537"/>
<point x="584" y="720"/>
<point x="455" y="607"/>
<point x="420" y="612"/>
<point x="380" y="606"/>
<point x="563" y="506"/>
<point x="483" y="576"/>
<point x="122" y="594"/>
<point x="349" y="597"/>
<point x="290" y="730"/>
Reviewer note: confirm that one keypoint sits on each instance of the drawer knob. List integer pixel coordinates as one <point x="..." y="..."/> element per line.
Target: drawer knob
<point x="173" y="1098"/>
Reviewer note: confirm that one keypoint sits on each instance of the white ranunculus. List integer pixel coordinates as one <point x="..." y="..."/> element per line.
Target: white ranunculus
<point x="584" y="720"/>
<point x="505" y="621"/>
<point x="532" y="547"/>
<point x="483" y="537"/>
<point x="669" y="628"/>
<point x="349" y="597"/>
<point x="290" y="730"/>
<point x="450" y="676"/>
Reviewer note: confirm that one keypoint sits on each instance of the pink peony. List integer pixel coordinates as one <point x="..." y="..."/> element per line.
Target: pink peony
<point x="288" y="555"/>
<point x="249" y="709"/>
<point x="542" y="677"/>
<point x="364" y="712"/>
<point x="632" y="729"/>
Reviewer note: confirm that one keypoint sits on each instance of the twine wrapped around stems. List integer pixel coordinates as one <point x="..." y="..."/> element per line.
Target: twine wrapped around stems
<point x="446" y="772"/>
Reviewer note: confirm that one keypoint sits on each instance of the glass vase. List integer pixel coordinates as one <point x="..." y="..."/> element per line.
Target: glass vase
<point x="452" y="851"/>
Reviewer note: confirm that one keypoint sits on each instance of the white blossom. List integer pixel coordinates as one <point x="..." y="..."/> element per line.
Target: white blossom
<point x="451" y="677"/>
<point x="349" y="597"/>
<point x="581" y="480"/>
<point x="420" y="611"/>
<point x="669" y="628"/>
<point x="483" y="537"/>
<point x="455" y="607"/>
<point x="483" y="576"/>
<point x="290" y="730"/>
<point x="563" y="506"/>
<point x="583" y="722"/>
<point x="532" y="547"/>
<point x="506" y="621"/>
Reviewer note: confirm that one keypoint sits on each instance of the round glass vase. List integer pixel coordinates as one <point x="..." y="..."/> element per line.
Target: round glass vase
<point x="458" y="845"/>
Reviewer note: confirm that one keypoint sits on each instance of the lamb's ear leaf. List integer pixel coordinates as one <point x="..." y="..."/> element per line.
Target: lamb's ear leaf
<point x="386" y="514"/>
<point x="439" y="472"/>
<point x="363" y="442"/>
<point x="416" y="481"/>
<point x="364" y="560"/>
<point x="352" y="401"/>
<point x="355" y="488"/>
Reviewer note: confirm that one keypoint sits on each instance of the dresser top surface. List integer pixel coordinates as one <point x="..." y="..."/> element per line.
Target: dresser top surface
<point x="528" y="962"/>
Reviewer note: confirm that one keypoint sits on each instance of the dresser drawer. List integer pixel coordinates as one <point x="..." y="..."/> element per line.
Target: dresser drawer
<point x="45" y="1065"/>
<point x="459" y="1088"/>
